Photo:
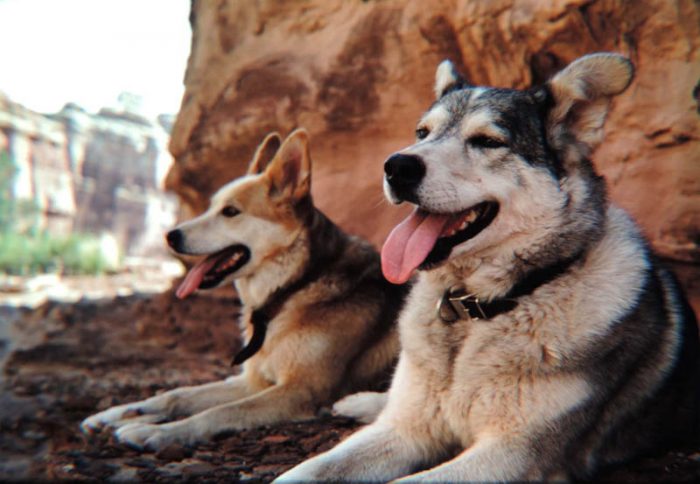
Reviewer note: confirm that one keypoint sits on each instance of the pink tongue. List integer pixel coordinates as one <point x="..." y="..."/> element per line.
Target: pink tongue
<point x="194" y="277"/>
<point x="409" y="244"/>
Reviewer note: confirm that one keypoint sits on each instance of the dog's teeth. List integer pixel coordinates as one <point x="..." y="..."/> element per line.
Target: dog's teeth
<point x="230" y="262"/>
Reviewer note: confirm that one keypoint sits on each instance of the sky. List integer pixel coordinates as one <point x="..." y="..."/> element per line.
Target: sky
<point x="89" y="51"/>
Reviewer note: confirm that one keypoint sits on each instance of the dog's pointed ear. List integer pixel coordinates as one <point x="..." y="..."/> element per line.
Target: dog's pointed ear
<point x="265" y="153"/>
<point x="446" y="78"/>
<point x="581" y="95"/>
<point x="290" y="170"/>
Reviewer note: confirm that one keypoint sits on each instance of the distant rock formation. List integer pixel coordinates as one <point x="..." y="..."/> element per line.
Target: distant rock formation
<point x="94" y="173"/>
<point x="359" y="74"/>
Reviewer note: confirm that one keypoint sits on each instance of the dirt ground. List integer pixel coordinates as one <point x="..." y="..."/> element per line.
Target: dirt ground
<point x="65" y="360"/>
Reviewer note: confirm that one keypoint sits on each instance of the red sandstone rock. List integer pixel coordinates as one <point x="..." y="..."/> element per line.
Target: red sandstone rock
<point x="358" y="75"/>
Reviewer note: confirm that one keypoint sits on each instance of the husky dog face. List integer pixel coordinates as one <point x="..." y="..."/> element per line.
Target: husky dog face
<point x="492" y="167"/>
<point x="250" y="220"/>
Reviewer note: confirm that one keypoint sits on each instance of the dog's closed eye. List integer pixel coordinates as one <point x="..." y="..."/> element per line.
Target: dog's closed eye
<point x="230" y="211"/>
<point x="486" y="142"/>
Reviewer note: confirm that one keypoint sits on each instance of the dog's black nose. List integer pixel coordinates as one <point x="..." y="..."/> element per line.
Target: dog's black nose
<point x="174" y="238"/>
<point x="404" y="173"/>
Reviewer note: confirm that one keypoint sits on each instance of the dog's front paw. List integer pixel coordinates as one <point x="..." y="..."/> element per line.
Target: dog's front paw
<point x="116" y="417"/>
<point x="145" y="436"/>
<point x="312" y="470"/>
<point x="363" y="406"/>
<point x="106" y="418"/>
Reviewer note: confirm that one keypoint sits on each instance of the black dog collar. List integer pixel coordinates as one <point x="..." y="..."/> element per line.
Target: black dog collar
<point x="458" y="303"/>
<point x="262" y="316"/>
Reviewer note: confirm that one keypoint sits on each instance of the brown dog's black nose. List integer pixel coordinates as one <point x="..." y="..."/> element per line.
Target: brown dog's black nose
<point x="174" y="238"/>
<point x="404" y="173"/>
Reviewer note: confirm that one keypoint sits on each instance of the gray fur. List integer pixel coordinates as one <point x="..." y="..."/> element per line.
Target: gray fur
<point x="594" y="367"/>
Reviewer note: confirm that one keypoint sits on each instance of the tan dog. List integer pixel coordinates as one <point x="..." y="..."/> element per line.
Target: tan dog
<point x="318" y="314"/>
<point x="542" y="340"/>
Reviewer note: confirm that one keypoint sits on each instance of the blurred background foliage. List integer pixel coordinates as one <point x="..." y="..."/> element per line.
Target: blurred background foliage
<point x="25" y="249"/>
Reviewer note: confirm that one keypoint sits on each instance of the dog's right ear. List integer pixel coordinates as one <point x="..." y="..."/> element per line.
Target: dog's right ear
<point x="265" y="153"/>
<point x="290" y="170"/>
<point x="447" y="79"/>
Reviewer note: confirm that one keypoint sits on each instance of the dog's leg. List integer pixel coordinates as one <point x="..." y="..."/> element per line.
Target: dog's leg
<point x="377" y="452"/>
<point x="362" y="406"/>
<point x="488" y="460"/>
<point x="403" y="438"/>
<point x="274" y="404"/>
<point x="179" y="401"/>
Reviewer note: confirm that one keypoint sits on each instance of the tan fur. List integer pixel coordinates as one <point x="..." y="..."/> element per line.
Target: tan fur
<point x="326" y="340"/>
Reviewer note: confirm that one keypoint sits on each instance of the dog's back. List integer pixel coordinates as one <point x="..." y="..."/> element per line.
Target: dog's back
<point x="648" y="411"/>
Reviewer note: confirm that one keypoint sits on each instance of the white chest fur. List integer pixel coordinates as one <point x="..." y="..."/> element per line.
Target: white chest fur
<point x="482" y="374"/>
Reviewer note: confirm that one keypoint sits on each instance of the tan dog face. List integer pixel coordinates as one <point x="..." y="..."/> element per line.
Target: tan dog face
<point x="494" y="166"/>
<point x="251" y="219"/>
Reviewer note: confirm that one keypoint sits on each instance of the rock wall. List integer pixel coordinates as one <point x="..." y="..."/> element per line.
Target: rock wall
<point x="358" y="74"/>
<point x="94" y="173"/>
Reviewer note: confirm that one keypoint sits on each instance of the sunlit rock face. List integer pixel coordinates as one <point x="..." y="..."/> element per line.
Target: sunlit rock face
<point x="91" y="173"/>
<point x="359" y="74"/>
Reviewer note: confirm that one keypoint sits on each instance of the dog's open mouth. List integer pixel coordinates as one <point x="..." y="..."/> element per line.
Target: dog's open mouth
<point x="425" y="239"/>
<point x="210" y="271"/>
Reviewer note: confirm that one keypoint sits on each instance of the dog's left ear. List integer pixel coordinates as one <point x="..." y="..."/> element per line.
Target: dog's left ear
<point x="447" y="79"/>
<point x="581" y="95"/>
<point x="290" y="170"/>
<point x="265" y="153"/>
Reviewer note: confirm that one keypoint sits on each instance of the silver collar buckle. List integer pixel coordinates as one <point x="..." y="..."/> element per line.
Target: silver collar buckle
<point x="456" y="303"/>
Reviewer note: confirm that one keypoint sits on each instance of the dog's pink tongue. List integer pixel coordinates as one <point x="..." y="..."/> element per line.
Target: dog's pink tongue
<point x="409" y="244"/>
<point x="194" y="277"/>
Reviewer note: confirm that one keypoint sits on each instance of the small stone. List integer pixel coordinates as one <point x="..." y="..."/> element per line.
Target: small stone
<point x="272" y="469"/>
<point x="280" y="458"/>
<point x="125" y="474"/>
<point x="174" y="452"/>
<point x="170" y="469"/>
<point x="141" y="462"/>
<point x="275" y="439"/>
<point x="198" y="469"/>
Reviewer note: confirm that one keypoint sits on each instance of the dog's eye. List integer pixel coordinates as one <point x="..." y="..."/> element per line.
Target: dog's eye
<point x="230" y="211"/>
<point x="487" y="142"/>
<point x="422" y="133"/>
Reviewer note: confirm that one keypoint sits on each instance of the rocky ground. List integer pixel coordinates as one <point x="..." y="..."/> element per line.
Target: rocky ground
<point x="65" y="360"/>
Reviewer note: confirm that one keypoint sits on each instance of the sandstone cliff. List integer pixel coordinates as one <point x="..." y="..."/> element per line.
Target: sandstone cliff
<point x="358" y="74"/>
<point x="95" y="173"/>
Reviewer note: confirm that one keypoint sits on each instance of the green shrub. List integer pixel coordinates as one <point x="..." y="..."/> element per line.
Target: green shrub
<point x="25" y="254"/>
<point x="29" y="251"/>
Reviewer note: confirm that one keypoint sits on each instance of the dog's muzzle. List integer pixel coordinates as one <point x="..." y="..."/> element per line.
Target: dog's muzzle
<point x="404" y="173"/>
